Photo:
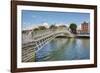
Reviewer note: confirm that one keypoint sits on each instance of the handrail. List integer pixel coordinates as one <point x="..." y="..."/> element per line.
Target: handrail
<point x="43" y="34"/>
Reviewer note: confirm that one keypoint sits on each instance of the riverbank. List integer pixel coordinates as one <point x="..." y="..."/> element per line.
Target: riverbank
<point x="74" y="37"/>
<point x="82" y="36"/>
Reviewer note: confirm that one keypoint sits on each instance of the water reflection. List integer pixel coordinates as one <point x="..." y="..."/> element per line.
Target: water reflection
<point x="65" y="49"/>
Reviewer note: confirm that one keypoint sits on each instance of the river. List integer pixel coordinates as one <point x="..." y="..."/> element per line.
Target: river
<point x="61" y="49"/>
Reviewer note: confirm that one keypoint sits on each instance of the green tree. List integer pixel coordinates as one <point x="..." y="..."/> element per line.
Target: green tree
<point x="62" y="26"/>
<point x="35" y="29"/>
<point x="73" y="28"/>
<point x="42" y="27"/>
<point x="53" y="27"/>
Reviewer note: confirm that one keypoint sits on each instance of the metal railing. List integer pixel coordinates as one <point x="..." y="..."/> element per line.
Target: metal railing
<point x="35" y="40"/>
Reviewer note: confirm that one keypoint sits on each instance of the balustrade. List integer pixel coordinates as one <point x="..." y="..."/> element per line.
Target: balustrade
<point x="35" y="40"/>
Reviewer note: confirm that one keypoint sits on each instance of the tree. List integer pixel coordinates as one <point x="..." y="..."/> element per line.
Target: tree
<point x="42" y="27"/>
<point x="35" y="29"/>
<point x="62" y="26"/>
<point x="53" y="27"/>
<point x="73" y="28"/>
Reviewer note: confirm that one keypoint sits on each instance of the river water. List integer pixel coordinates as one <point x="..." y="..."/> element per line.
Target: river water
<point x="61" y="49"/>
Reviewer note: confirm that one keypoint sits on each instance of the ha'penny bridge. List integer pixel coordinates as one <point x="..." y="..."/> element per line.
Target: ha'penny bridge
<point x="33" y="41"/>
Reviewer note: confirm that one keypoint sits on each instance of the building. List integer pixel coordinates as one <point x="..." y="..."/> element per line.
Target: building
<point x="85" y="28"/>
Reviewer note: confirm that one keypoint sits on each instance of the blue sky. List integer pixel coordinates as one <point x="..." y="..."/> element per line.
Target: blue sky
<point x="31" y="17"/>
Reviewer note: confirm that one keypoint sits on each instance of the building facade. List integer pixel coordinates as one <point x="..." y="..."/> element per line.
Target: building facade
<point x="84" y="28"/>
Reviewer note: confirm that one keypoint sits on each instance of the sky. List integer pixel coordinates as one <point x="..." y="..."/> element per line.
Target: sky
<point x="34" y="18"/>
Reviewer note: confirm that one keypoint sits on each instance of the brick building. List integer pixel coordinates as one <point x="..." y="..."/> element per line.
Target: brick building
<point x="85" y="28"/>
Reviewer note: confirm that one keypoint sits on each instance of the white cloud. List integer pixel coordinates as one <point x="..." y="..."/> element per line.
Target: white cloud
<point x="46" y="24"/>
<point x="30" y="27"/>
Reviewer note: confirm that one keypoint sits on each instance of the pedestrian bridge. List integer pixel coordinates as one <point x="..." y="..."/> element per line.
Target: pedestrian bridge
<point x="33" y="41"/>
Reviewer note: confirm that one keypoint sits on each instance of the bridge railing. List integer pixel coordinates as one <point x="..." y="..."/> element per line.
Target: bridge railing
<point x="35" y="40"/>
<point x="46" y="32"/>
<point x="35" y="35"/>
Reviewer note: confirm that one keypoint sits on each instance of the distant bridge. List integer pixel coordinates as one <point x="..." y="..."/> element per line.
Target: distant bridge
<point x="33" y="41"/>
